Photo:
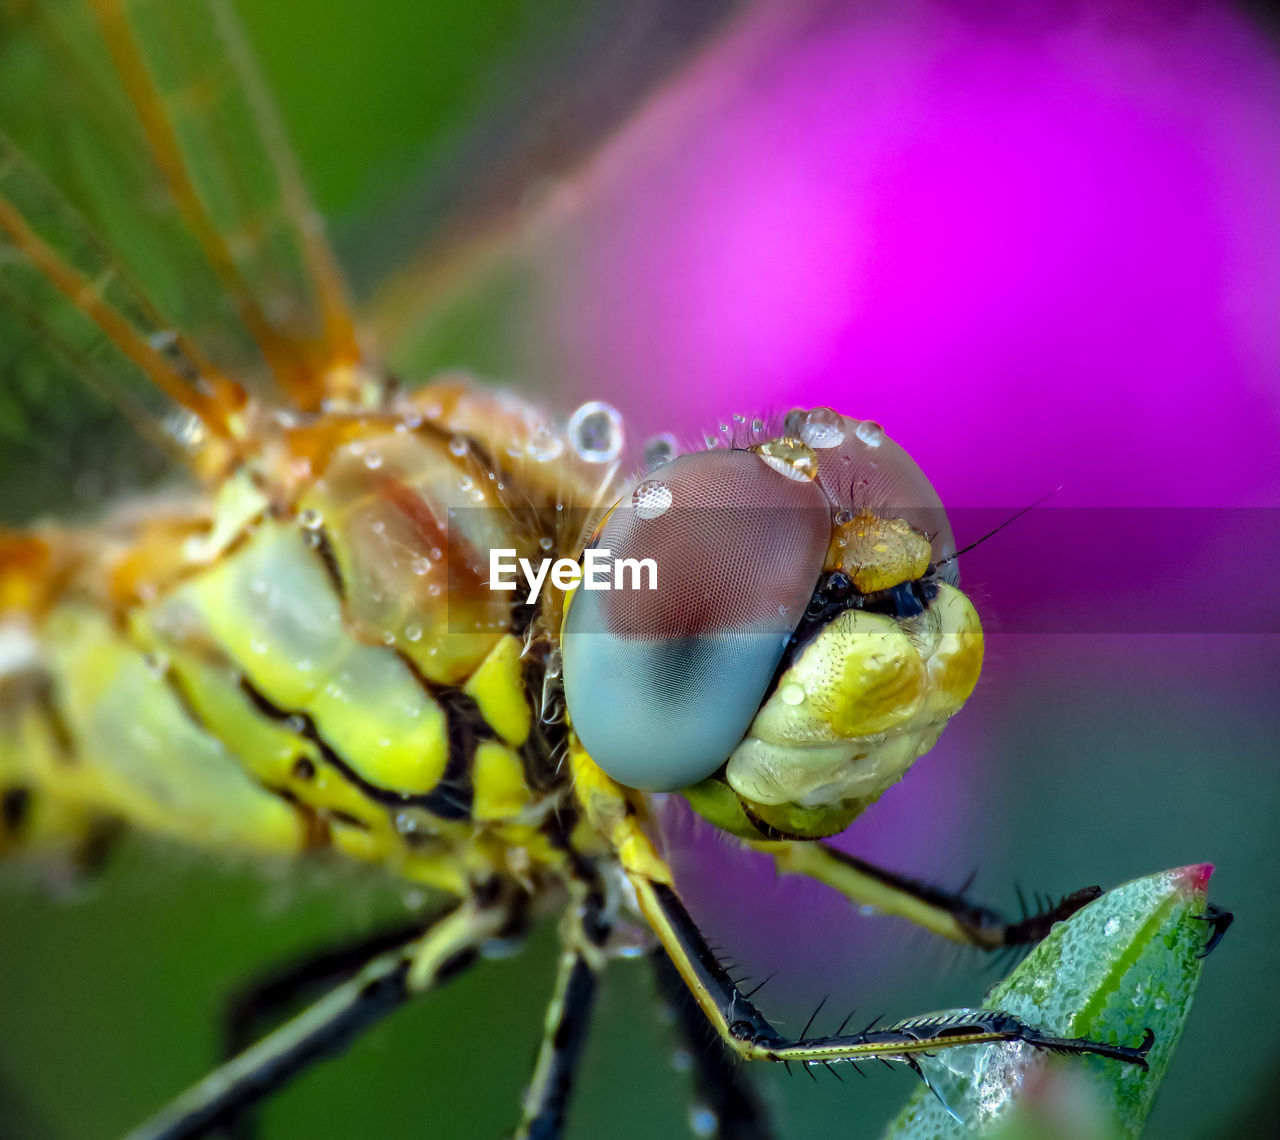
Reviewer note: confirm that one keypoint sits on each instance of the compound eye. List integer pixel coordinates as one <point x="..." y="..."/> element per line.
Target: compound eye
<point x="663" y="682"/>
<point x="861" y="468"/>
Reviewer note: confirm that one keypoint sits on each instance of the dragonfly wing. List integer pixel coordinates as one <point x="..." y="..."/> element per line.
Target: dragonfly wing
<point x="150" y="117"/>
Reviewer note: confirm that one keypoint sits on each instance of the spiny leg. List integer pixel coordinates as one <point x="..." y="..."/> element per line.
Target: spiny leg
<point x="268" y="999"/>
<point x="326" y="1027"/>
<point x="584" y="931"/>
<point x="742" y="1027"/>
<point x="948" y="914"/>
<point x="723" y="1096"/>
<point x="751" y="1036"/>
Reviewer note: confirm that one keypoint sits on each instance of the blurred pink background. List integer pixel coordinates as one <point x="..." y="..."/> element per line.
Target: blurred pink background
<point x="1039" y="243"/>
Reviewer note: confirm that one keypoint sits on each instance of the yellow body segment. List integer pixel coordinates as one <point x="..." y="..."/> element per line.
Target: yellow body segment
<point x="497" y="687"/>
<point x="138" y="753"/>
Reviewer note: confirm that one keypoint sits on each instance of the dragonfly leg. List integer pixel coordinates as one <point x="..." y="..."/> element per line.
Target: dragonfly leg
<point x="324" y="1028"/>
<point x="752" y="1037"/>
<point x="948" y="914"/>
<point x="725" y="1104"/>
<point x="583" y="934"/>
<point x="268" y="999"/>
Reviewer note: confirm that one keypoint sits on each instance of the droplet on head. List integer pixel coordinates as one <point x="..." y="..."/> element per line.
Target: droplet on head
<point x="659" y="450"/>
<point x="309" y="519"/>
<point x="458" y="445"/>
<point x="791" y="694"/>
<point x="420" y="565"/>
<point x="651" y="499"/>
<point x="595" y="432"/>
<point x="823" y="427"/>
<point x="870" y="432"/>
<point x="373" y="460"/>
<point x="790" y="457"/>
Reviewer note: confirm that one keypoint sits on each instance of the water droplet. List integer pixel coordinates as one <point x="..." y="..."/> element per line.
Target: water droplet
<point x="310" y="519"/>
<point x="388" y="638"/>
<point x="420" y="566"/>
<point x="378" y="526"/>
<point x="659" y="450"/>
<point x="651" y="499"/>
<point x="157" y="664"/>
<point x="790" y="457"/>
<point x="710" y="440"/>
<point x="544" y="444"/>
<point x="739" y="418"/>
<point x="681" y="1060"/>
<point x="413" y="632"/>
<point x="823" y="427"/>
<point x="791" y="694"/>
<point x="757" y="425"/>
<point x="870" y="432"/>
<point x="458" y="445"/>
<point x="595" y="432"/>
<point x="373" y="460"/>
<point x="434" y="591"/>
<point x="702" y="1121"/>
<point x="295" y="724"/>
<point x="546" y="542"/>
<point x="1111" y="926"/>
<point x="312" y="539"/>
<point x="465" y="483"/>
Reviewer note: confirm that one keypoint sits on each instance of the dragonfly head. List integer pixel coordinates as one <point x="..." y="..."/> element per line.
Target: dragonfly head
<point x="802" y="639"/>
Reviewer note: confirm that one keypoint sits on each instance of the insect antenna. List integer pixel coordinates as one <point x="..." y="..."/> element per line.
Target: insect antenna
<point x="995" y="530"/>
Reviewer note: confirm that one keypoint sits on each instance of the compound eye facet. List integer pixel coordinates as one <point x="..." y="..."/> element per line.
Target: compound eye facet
<point x="662" y="683"/>
<point x="861" y="468"/>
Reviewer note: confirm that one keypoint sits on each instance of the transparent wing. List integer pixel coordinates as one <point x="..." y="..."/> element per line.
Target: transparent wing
<point x="69" y="313"/>
<point x="150" y="118"/>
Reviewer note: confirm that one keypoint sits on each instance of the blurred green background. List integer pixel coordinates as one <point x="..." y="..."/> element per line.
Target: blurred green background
<point x="401" y="115"/>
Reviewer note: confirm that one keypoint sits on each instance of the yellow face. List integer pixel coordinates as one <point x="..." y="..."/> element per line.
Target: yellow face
<point x="806" y="641"/>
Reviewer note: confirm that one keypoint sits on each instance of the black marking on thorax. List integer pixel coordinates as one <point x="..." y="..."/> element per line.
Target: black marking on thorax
<point x="450" y="799"/>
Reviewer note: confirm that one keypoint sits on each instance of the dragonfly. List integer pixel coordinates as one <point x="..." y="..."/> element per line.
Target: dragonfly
<point x="295" y="650"/>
